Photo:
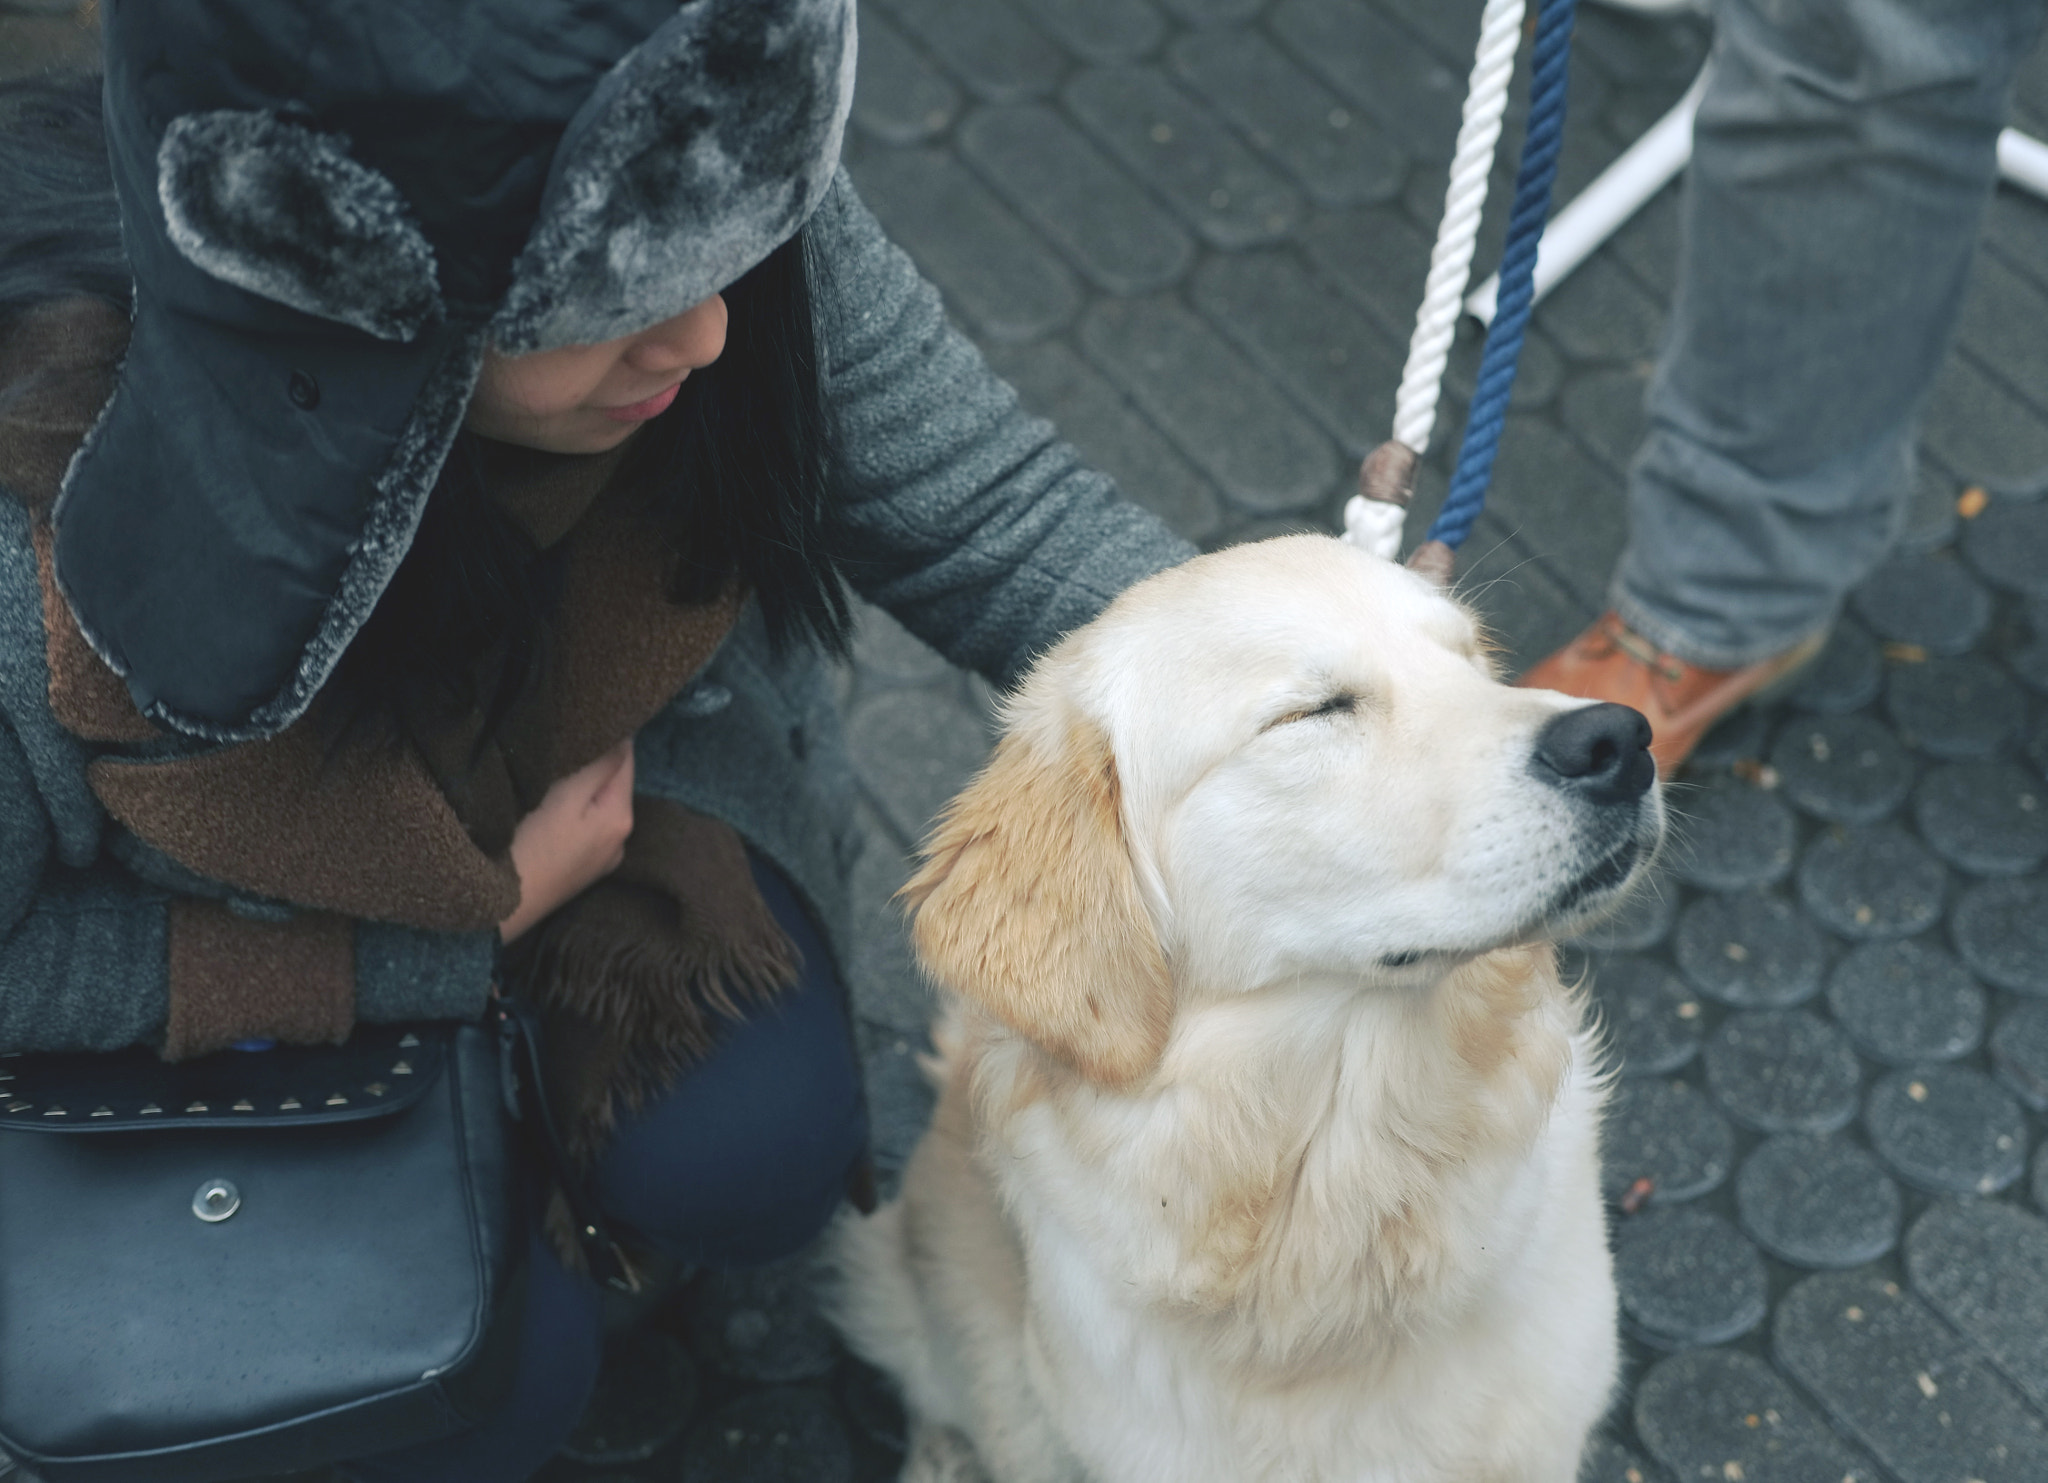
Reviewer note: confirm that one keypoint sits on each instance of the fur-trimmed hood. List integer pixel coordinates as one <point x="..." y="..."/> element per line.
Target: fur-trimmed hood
<point x="331" y="206"/>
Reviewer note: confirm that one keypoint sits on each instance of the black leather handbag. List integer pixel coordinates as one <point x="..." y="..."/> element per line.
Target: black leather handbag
<point x="258" y="1262"/>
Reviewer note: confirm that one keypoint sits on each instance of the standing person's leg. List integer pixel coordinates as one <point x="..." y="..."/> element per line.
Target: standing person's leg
<point x="1842" y="159"/>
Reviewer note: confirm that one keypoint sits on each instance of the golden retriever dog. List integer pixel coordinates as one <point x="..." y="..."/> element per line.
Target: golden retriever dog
<point x="1267" y="1138"/>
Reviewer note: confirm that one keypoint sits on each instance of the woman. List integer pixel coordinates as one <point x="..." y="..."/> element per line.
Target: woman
<point x="444" y="558"/>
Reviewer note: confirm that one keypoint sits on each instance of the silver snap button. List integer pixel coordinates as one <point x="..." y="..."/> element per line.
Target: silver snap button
<point x="216" y="1201"/>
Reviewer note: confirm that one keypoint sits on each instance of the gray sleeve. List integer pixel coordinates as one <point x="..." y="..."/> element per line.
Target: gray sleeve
<point x="404" y="973"/>
<point x="964" y="516"/>
<point x="82" y="951"/>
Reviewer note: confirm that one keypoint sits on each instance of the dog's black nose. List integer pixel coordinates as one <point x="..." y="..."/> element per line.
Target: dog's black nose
<point x="1600" y="752"/>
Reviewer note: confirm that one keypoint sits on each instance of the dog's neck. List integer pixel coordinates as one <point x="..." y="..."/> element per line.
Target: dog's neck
<point x="1323" y="1151"/>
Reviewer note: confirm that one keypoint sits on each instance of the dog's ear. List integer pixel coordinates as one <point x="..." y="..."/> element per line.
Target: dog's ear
<point x="1027" y="905"/>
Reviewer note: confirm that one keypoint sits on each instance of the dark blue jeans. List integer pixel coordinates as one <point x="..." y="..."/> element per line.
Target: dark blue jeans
<point x="741" y="1163"/>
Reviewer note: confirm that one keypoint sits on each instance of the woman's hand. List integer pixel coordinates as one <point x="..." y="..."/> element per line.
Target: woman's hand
<point x="575" y="838"/>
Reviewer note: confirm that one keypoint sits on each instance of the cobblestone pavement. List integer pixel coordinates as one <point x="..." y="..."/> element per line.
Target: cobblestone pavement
<point x="1193" y="233"/>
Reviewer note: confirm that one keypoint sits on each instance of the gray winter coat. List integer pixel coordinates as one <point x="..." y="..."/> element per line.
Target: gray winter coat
<point x="964" y="517"/>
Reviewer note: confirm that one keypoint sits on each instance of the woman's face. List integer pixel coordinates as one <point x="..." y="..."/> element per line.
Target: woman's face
<point x="591" y="398"/>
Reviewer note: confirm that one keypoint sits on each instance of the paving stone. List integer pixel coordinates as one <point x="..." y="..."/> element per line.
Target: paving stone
<point x="1378" y="257"/>
<point x="915" y="756"/>
<point x="1687" y="1277"/>
<point x="1987" y="817"/>
<point x="1739" y="735"/>
<point x="1983" y="1266"/>
<point x="2019" y="1053"/>
<point x="1926" y="601"/>
<point x="999" y="55"/>
<point x="1665" y="47"/>
<point x="1957" y="709"/>
<point x="1569" y="505"/>
<point x="2030" y="663"/>
<point x="1176" y="146"/>
<point x="899" y="1098"/>
<point x="1997" y="310"/>
<point x="1652" y="1018"/>
<point x="1372" y="62"/>
<point x="789" y="1434"/>
<point x="1947" y="1130"/>
<point x="1219" y="410"/>
<point x="1073" y="193"/>
<point x="2001" y="929"/>
<point x="1539" y="374"/>
<point x="1731" y="835"/>
<point x="1818" y="1202"/>
<point x="762" y="1323"/>
<point x="869" y="1398"/>
<point x="646" y="1393"/>
<point x="1905" y="1003"/>
<point x="2035" y="747"/>
<point x="1340" y="156"/>
<point x="1981" y="428"/>
<point x="1844" y="769"/>
<point x="1098" y="31"/>
<point x="1608" y="1461"/>
<point x="1213" y="12"/>
<point x="1057" y="384"/>
<point x="1334" y="359"/>
<point x="1753" y="950"/>
<point x="1722" y="1414"/>
<point x="1643" y="921"/>
<point x="1872" y="880"/>
<point x="1600" y="313"/>
<point x="1605" y="408"/>
<point x="2008" y="543"/>
<point x="898" y="97"/>
<point x="2037" y="1183"/>
<point x="1783" y="1071"/>
<point x="1846" y="675"/>
<point x="1668" y="1133"/>
<point x="992" y="270"/>
<point x="1902" y="1383"/>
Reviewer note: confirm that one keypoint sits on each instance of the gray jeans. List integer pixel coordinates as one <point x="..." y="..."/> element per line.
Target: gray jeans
<point x="1842" y="160"/>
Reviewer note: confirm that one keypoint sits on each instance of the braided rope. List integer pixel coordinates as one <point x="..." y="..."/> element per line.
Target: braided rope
<point x="1487" y="419"/>
<point x="1450" y="261"/>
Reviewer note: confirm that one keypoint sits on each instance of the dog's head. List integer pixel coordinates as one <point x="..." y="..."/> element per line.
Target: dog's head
<point x="1283" y="761"/>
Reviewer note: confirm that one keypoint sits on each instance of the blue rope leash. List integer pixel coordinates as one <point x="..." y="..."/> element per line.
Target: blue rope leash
<point x="1516" y="297"/>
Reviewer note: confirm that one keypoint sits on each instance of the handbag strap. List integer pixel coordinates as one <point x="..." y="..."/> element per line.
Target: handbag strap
<point x="519" y="1050"/>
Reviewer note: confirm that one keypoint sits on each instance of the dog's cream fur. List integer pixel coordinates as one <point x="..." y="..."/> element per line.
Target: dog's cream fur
<point x="1266" y="1145"/>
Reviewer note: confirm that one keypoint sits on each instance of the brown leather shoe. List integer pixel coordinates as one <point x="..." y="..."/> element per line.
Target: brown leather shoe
<point x="1610" y="662"/>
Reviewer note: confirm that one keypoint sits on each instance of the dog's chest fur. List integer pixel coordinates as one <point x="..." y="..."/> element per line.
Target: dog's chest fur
<point x="1319" y="1187"/>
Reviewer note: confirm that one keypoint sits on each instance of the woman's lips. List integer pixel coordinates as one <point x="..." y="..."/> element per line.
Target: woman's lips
<point x="654" y="406"/>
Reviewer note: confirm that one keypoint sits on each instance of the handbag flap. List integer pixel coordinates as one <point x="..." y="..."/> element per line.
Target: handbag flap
<point x="379" y="1070"/>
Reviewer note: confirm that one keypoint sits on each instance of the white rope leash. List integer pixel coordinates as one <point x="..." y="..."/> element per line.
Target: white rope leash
<point x="1375" y="522"/>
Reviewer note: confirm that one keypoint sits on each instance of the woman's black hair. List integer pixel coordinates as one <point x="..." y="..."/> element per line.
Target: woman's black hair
<point x="60" y="233"/>
<point x="740" y="468"/>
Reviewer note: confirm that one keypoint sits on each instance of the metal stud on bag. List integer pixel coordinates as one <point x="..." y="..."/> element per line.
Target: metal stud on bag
<point x="216" y="1201"/>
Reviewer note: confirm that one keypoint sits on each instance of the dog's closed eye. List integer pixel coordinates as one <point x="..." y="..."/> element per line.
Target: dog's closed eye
<point x="1343" y="703"/>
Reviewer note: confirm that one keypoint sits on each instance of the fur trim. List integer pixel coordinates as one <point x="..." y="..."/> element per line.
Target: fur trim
<point x="285" y="213"/>
<point x="698" y="155"/>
